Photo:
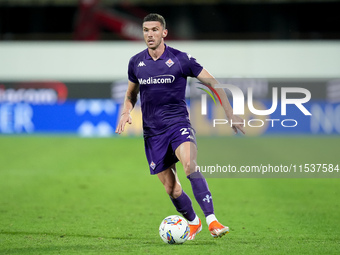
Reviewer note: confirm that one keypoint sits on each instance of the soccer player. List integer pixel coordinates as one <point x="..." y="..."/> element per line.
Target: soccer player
<point x="160" y="74"/>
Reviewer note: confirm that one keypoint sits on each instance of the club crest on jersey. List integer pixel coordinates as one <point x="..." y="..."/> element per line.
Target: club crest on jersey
<point x="169" y="62"/>
<point x="153" y="165"/>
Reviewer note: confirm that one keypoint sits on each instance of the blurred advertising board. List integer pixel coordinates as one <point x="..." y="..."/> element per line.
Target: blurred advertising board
<point x="93" y="109"/>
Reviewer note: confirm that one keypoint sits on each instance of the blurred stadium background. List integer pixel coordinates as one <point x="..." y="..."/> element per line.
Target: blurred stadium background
<point x="63" y="63"/>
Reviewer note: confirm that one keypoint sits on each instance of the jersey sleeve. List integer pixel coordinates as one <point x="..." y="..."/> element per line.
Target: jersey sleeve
<point x="191" y="67"/>
<point x="131" y="71"/>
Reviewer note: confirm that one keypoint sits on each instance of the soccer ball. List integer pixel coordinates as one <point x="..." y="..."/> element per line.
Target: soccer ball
<point x="174" y="229"/>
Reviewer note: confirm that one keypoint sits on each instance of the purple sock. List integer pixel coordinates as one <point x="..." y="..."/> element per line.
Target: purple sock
<point x="184" y="206"/>
<point x="201" y="192"/>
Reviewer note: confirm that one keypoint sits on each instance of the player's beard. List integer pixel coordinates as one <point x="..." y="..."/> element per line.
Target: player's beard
<point x="155" y="44"/>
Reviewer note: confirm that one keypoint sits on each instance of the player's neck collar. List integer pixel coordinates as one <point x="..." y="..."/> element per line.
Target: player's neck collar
<point x="163" y="56"/>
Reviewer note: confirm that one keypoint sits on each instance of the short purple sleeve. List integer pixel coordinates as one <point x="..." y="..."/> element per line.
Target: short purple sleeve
<point x="190" y="66"/>
<point x="131" y="71"/>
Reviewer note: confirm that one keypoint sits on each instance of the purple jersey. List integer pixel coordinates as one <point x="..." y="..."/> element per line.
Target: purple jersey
<point x="162" y="88"/>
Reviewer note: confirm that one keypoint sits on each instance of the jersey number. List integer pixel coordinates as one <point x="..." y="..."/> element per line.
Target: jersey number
<point x="184" y="131"/>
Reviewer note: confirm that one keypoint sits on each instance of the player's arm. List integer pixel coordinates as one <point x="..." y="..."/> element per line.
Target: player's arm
<point x="129" y="103"/>
<point x="206" y="78"/>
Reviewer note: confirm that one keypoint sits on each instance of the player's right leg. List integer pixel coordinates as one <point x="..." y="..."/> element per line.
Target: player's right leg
<point x="180" y="199"/>
<point x="170" y="181"/>
<point x="160" y="156"/>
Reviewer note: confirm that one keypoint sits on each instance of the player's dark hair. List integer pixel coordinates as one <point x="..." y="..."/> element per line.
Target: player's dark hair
<point x="155" y="17"/>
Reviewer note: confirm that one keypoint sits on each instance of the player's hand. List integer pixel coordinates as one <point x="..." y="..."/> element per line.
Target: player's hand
<point x="124" y="118"/>
<point x="238" y="124"/>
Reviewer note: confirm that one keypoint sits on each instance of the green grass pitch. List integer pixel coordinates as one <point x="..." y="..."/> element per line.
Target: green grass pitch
<point x="69" y="195"/>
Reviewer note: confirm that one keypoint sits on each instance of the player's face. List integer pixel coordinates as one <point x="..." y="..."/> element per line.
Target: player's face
<point x="153" y="34"/>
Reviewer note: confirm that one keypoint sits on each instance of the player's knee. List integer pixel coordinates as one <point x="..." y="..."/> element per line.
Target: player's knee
<point x="189" y="167"/>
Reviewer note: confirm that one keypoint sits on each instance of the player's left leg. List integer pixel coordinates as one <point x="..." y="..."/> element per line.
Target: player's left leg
<point x="187" y="154"/>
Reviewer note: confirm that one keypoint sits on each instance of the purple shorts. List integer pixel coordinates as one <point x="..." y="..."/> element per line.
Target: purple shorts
<point x="160" y="149"/>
